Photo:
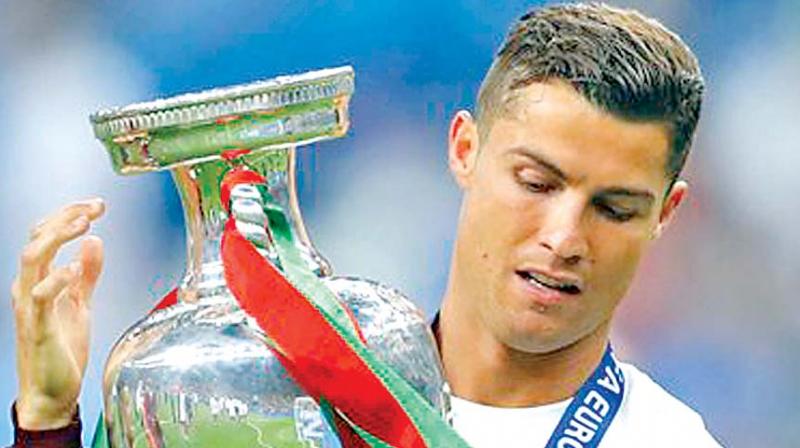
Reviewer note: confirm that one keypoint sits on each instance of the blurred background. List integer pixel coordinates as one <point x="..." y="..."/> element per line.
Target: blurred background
<point x="713" y="316"/>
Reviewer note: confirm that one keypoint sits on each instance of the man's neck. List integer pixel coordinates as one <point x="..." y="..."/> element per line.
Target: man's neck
<point x="482" y="369"/>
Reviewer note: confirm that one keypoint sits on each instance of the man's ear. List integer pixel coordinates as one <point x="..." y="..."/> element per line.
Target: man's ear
<point x="463" y="145"/>
<point x="674" y="198"/>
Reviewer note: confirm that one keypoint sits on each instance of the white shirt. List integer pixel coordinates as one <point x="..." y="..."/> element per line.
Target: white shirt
<point x="648" y="417"/>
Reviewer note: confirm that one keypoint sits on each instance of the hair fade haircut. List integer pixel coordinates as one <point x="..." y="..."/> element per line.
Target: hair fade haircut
<point x="629" y="65"/>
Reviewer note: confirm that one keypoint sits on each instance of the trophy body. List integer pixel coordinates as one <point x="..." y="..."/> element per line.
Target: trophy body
<point x="201" y="375"/>
<point x="201" y="372"/>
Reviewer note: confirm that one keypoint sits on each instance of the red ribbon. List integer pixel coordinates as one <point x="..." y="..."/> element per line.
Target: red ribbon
<point x="316" y="356"/>
<point x="311" y="350"/>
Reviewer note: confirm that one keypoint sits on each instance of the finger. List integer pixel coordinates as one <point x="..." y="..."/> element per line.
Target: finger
<point x="37" y="255"/>
<point x="91" y="208"/>
<point x="91" y="260"/>
<point x="44" y="294"/>
<point x="15" y="295"/>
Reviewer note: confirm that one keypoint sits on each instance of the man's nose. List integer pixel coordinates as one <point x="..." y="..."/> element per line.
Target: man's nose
<point x="562" y="232"/>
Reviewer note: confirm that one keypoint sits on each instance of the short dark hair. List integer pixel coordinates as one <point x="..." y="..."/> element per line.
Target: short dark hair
<point x="625" y="63"/>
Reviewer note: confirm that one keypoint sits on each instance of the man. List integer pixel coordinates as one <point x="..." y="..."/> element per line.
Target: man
<point x="569" y="170"/>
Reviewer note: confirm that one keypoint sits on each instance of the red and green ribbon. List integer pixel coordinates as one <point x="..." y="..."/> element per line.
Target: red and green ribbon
<point x="318" y="341"/>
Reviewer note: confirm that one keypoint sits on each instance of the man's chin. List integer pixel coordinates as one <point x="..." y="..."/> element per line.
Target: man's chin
<point x="535" y="333"/>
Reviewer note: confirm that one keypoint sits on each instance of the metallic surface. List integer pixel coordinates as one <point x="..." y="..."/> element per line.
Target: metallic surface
<point x="286" y="111"/>
<point x="200" y="373"/>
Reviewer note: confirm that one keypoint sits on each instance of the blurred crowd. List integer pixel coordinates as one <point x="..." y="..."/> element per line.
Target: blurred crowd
<point x="712" y="316"/>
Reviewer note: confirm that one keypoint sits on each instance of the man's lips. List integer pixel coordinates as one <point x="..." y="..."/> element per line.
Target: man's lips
<point x="561" y="283"/>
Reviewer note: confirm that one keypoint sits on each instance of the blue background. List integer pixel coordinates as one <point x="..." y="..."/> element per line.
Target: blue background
<point x="712" y="315"/>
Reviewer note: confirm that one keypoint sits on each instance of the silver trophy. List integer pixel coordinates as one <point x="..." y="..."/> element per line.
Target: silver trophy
<point x="199" y="373"/>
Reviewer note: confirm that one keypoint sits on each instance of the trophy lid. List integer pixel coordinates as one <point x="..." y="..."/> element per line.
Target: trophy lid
<point x="273" y="113"/>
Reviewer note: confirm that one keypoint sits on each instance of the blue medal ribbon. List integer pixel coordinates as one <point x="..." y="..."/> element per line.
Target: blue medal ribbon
<point x="593" y="408"/>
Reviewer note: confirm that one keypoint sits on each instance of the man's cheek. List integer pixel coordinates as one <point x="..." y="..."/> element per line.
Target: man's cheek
<point x="618" y="275"/>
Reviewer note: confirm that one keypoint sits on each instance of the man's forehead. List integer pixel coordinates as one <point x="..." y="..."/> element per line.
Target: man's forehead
<point x="537" y="93"/>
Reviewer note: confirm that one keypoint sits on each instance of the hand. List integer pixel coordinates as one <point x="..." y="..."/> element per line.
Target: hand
<point x="51" y="309"/>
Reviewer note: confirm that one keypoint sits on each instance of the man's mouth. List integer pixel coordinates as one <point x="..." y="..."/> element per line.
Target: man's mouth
<point x="564" y="285"/>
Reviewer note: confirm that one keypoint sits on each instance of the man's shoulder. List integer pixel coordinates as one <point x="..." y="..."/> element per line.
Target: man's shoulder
<point x="651" y="412"/>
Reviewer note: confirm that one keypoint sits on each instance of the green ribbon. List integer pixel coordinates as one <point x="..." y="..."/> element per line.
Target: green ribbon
<point x="434" y="430"/>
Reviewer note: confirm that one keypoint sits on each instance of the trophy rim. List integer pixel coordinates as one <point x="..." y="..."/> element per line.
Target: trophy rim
<point x="221" y="102"/>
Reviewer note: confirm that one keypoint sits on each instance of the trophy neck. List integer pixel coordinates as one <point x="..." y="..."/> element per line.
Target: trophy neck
<point x="199" y="186"/>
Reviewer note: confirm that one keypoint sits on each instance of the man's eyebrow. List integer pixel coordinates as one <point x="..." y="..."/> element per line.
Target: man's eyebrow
<point x="539" y="160"/>
<point x="633" y="193"/>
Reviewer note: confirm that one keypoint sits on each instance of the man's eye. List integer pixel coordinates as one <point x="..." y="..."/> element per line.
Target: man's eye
<point x="615" y="213"/>
<point x="538" y="187"/>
